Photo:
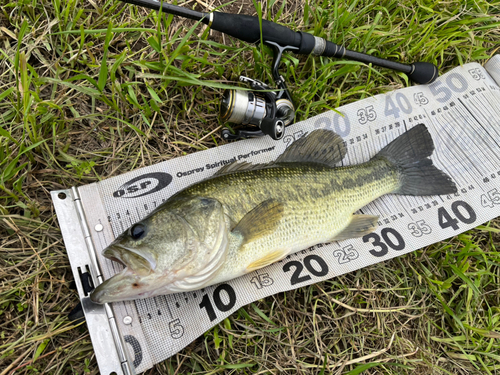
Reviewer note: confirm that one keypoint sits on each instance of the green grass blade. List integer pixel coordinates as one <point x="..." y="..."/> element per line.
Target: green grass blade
<point x="103" y="73"/>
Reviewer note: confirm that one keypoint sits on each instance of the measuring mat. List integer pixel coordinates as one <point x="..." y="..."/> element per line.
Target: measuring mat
<point x="461" y="109"/>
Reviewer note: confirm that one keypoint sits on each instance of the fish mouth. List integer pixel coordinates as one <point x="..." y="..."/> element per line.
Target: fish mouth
<point x="139" y="261"/>
<point x="123" y="286"/>
<point x="100" y="295"/>
<point x="130" y="283"/>
<point x="136" y="281"/>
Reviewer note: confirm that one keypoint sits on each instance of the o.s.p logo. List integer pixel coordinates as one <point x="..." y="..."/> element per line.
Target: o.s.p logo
<point x="143" y="185"/>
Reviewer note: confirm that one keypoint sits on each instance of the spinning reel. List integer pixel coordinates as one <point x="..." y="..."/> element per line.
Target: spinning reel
<point x="270" y="110"/>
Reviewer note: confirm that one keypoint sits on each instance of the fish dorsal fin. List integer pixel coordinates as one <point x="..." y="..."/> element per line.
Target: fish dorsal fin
<point x="260" y="221"/>
<point x="235" y="166"/>
<point x="321" y="146"/>
<point x="241" y="166"/>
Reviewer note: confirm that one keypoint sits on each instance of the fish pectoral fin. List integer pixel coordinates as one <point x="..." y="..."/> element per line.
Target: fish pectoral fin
<point x="358" y="227"/>
<point x="267" y="260"/>
<point x="260" y="221"/>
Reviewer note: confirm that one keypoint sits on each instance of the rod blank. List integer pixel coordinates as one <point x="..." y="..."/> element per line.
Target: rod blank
<point x="248" y="29"/>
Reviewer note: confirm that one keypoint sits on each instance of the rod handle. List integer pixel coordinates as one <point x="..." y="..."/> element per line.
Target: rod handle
<point x="247" y="28"/>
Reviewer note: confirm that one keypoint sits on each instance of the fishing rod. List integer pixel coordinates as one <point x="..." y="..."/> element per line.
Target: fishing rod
<point x="272" y="110"/>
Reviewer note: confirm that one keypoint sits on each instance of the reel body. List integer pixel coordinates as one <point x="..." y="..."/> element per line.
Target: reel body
<point x="261" y="108"/>
<point x="271" y="110"/>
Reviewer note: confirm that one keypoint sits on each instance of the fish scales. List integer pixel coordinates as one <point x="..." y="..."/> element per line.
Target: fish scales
<point x="248" y="216"/>
<point x="318" y="203"/>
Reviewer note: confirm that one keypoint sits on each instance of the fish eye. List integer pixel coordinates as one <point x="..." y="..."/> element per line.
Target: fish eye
<point x="137" y="231"/>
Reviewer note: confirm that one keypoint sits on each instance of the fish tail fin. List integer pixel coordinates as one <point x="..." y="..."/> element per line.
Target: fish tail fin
<point x="410" y="153"/>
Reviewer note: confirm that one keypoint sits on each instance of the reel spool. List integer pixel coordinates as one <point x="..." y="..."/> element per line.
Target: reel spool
<point x="271" y="110"/>
<point x="260" y="108"/>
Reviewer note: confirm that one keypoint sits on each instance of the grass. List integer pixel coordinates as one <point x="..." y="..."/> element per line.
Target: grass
<point x="90" y="90"/>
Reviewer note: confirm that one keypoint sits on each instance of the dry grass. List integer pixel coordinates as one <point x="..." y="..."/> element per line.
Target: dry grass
<point x="61" y="125"/>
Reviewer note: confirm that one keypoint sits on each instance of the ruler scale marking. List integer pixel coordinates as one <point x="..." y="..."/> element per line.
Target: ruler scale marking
<point x="455" y="151"/>
<point x="452" y="169"/>
<point x="479" y="147"/>
<point x="478" y="126"/>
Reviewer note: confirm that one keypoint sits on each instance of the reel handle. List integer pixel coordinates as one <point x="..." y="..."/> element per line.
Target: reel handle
<point x="228" y="136"/>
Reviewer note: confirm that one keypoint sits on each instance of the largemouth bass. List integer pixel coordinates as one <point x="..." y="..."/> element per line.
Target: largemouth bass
<point x="246" y="216"/>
